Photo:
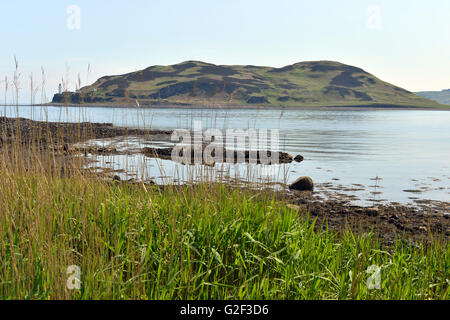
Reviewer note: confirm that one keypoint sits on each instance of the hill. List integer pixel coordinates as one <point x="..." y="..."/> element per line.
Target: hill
<point x="442" y="97"/>
<point x="316" y="83"/>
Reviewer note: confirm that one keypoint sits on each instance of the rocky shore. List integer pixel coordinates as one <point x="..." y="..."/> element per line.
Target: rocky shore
<point x="389" y="222"/>
<point x="49" y="133"/>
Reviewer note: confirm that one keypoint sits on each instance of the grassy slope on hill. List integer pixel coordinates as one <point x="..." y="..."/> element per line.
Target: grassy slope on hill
<point x="319" y="83"/>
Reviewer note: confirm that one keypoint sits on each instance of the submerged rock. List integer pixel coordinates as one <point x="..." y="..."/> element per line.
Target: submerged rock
<point x="302" y="184"/>
<point x="268" y="158"/>
<point x="299" y="158"/>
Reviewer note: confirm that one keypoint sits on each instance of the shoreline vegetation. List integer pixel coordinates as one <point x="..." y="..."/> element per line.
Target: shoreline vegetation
<point x="138" y="240"/>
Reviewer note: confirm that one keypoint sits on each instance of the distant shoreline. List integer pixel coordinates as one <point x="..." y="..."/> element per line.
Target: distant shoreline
<point x="232" y="106"/>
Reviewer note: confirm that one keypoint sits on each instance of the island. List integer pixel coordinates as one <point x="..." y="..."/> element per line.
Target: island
<point x="311" y="84"/>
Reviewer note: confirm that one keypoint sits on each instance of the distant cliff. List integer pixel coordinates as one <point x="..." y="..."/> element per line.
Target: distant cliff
<point x="316" y="83"/>
<point x="442" y="97"/>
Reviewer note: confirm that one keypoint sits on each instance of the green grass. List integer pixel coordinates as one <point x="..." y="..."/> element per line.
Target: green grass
<point x="203" y="242"/>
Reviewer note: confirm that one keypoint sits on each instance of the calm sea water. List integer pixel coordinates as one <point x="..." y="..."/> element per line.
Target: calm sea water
<point x="405" y="149"/>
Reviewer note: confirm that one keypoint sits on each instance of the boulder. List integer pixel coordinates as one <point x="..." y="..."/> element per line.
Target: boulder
<point x="423" y="228"/>
<point x="373" y="212"/>
<point x="299" y="158"/>
<point x="302" y="184"/>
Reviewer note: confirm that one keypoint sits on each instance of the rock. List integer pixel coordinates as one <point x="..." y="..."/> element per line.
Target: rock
<point x="293" y="207"/>
<point x="423" y="228"/>
<point x="373" y="212"/>
<point x="302" y="184"/>
<point x="299" y="158"/>
<point x="393" y="219"/>
<point x="117" y="178"/>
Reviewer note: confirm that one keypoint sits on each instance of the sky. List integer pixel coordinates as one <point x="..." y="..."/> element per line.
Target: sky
<point x="404" y="42"/>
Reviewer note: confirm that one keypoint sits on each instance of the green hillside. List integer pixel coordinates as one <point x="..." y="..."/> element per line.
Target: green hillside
<point x="442" y="97"/>
<point x="317" y="83"/>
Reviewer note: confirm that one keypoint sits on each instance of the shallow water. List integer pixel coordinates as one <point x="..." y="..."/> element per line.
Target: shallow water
<point x="406" y="149"/>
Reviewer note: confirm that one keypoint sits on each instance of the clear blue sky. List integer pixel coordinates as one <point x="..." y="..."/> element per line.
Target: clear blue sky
<point x="405" y="42"/>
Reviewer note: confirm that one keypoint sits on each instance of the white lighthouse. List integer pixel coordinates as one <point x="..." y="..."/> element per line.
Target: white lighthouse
<point x="60" y="89"/>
